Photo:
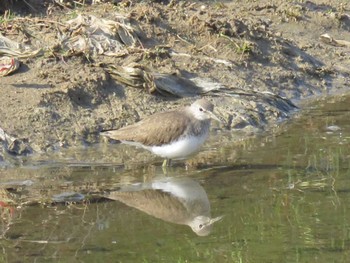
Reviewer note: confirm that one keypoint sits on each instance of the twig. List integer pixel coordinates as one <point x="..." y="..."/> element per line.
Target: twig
<point x="184" y="40"/>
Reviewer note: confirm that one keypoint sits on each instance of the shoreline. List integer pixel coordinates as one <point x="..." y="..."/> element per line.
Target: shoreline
<point x="63" y="98"/>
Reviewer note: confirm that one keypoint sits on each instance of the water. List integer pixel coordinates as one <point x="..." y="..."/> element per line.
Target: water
<point x="284" y="197"/>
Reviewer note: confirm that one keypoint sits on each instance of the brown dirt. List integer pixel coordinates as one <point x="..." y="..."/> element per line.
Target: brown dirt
<point x="274" y="47"/>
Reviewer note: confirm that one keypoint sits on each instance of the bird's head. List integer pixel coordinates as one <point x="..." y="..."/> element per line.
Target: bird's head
<point x="202" y="225"/>
<point x="203" y="110"/>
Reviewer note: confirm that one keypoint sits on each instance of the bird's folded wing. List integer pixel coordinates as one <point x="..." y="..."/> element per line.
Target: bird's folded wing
<point x="155" y="130"/>
<point x="156" y="203"/>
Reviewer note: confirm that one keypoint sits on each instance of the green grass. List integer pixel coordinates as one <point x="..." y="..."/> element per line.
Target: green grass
<point x="241" y="46"/>
<point x="7" y="17"/>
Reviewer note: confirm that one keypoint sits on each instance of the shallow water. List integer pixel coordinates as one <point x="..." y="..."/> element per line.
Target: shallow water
<point x="284" y="197"/>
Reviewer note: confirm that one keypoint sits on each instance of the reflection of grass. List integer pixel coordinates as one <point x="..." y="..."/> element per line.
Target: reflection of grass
<point x="323" y="163"/>
<point x="310" y="196"/>
<point x="236" y="256"/>
<point x="326" y="160"/>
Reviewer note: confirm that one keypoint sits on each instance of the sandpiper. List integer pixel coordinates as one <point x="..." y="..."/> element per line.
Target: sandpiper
<point x="174" y="134"/>
<point x="178" y="200"/>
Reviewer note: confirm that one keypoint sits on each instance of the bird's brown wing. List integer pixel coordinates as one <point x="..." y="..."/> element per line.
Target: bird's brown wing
<point x="155" y="130"/>
<point x="156" y="203"/>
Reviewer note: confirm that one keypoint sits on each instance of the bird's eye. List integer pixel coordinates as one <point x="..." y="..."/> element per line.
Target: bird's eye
<point x="201" y="109"/>
<point x="200" y="226"/>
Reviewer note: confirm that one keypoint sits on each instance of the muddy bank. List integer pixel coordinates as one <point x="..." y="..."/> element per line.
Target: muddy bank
<point x="257" y="58"/>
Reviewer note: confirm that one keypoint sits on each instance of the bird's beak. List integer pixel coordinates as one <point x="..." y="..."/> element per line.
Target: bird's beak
<point x="213" y="116"/>
<point x="216" y="219"/>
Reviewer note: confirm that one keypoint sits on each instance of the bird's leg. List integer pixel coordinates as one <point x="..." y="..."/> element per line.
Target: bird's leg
<point x="166" y="162"/>
<point x="164" y="167"/>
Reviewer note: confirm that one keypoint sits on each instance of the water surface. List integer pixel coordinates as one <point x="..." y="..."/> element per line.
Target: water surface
<point x="284" y="197"/>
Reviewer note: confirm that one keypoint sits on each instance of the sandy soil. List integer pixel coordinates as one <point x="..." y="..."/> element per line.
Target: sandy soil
<point x="266" y="53"/>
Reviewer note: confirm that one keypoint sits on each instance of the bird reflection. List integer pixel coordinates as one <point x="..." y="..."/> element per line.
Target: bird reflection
<point x="172" y="199"/>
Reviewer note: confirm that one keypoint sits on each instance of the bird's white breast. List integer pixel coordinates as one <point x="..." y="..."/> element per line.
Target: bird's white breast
<point x="181" y="148"/>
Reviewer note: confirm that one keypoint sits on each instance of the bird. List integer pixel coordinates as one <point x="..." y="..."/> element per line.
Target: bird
<point x="178" y="200"/>
<point x="172" y="135"/>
